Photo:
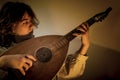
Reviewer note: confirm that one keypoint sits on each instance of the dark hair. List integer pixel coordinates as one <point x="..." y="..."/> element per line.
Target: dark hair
<point x="10" y="13"/>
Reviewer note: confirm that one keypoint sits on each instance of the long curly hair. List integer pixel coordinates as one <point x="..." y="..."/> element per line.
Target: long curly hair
<point x="10" y="13"/>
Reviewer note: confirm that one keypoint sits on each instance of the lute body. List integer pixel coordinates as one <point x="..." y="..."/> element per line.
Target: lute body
<point x="50" y="51"/>
<point x="49" y="59"/>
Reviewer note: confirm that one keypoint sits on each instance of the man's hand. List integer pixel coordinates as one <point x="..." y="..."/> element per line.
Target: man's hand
<point x="22" y="62"/>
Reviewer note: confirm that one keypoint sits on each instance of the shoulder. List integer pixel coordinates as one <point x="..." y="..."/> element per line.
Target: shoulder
<point x="2" y="50"/>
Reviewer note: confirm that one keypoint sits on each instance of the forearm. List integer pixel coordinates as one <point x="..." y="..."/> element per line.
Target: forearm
<point x="3" y="72"/>
<point x="83" y="50"/>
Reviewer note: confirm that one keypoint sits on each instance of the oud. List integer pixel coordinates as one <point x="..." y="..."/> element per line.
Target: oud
<point x="50" y="52"/>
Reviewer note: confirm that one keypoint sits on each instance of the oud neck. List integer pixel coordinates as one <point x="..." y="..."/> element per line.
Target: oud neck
<point x="69" y="36"/>
<point x="98" y="17"/>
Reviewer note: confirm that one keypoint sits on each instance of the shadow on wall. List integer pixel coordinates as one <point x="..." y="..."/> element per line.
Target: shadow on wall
<point x="103" y="64"/>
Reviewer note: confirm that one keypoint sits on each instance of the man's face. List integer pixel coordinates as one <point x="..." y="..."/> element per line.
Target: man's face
<point x="24" y="27"/>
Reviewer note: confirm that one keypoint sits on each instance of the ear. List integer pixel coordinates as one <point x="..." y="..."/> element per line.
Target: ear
<point x="14" y="28"/>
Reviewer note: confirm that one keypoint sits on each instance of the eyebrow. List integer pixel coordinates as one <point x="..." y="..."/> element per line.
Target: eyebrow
<point x="24" y="19"/>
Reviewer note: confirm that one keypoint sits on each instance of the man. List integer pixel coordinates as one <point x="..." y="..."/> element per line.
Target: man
<point x="17" y="22"/>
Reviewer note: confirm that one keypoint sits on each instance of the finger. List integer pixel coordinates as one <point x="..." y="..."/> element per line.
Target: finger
<point x="30" y="57"/>
<point x="77" y="35"/>
<point x="81" y="29"/>
<point x="26" y="67"/>
<point x="85" y="26"/>
<point x="28" y="62"/>
<point x="22" y="71"/>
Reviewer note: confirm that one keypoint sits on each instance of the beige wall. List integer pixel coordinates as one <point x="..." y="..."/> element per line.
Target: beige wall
<point x="61" y="16"/>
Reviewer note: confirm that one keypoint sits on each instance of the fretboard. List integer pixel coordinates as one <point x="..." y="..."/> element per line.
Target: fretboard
<point x="98" y="17"/>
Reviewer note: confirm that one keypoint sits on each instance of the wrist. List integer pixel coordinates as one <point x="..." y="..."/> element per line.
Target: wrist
<point x="84" y="50"/>
<point x="86" y="46"/>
